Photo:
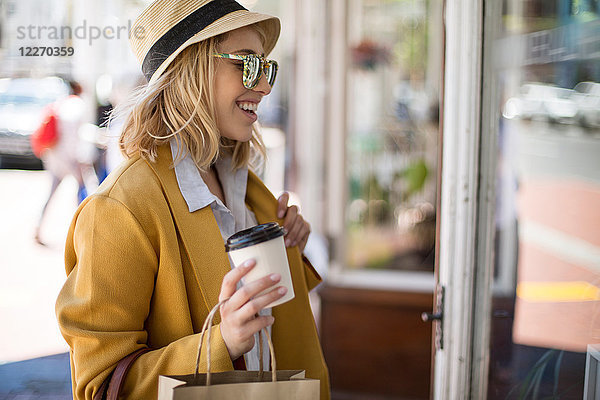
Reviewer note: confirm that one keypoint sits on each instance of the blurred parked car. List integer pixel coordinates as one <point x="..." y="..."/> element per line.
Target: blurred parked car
<point x="542" y="101"/>
<point x="21" y="103"/>
<point x="587" y="97"/>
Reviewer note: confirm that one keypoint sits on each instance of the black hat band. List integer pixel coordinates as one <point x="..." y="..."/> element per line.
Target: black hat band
<point x="185" y="29"/>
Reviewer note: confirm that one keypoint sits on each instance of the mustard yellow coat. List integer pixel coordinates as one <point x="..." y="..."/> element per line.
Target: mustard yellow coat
<point x="144" y="272"/>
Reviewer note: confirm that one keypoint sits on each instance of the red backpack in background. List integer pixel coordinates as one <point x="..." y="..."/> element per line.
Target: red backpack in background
<point x="46" y="135"/>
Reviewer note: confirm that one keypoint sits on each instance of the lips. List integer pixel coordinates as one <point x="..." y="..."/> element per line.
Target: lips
<point x="251" y="115"/>
<point x="249" y="109"/>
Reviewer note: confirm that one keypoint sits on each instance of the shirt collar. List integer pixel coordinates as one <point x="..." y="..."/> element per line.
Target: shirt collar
<point x="234" y="185"/>
<point x="194" y="189"/>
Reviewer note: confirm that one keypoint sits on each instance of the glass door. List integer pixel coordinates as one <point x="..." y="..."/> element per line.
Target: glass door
<point x="544" y="71"/>
<point x="519" y="251"/>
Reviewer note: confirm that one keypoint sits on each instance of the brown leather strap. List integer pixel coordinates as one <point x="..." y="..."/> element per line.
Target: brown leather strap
<point x="116" y="380"/>
<point x="101" y="393"/>
<point x="118" y="377"/>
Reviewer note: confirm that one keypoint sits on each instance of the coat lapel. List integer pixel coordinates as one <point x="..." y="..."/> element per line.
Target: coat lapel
<point x="199" y="232"/>
<point x="261" y="201"/>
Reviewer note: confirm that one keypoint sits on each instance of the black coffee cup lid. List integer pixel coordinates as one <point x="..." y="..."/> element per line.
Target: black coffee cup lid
<point x="255" y="235"/>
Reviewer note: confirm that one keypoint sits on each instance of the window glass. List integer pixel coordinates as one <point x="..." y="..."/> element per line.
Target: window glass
<point x="394" y="70"/>
<point x="545" y="59"/>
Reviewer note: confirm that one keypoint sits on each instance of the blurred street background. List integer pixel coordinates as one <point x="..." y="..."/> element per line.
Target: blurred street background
<point x="32" y="275"/>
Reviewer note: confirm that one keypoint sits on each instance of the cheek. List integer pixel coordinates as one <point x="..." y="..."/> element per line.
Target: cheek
<point x="227" y="92"/>
<point x="222" y="101"/>
<point x="228" y="78"/>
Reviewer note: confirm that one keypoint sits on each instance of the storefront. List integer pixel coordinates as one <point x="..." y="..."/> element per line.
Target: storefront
<point x="449" y="152"/>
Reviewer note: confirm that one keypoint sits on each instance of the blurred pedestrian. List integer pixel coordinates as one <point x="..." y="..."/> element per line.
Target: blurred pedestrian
<point x="64" y="158"/>
<point x="145" y="254"/>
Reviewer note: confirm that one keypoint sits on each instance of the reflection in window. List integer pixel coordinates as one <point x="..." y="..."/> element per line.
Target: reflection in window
<point x="393" y="91"/>
<point x="546" y="306"/>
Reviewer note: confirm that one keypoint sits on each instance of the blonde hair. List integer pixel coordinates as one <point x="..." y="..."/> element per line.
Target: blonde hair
<point x="181" y="104"/>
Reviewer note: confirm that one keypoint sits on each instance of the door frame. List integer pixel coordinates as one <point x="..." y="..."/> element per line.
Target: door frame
<point x="467" y="206"/>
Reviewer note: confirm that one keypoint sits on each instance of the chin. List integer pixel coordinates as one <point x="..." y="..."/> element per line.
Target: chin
<point x="240" y="137"/>
<point x="245" y="137"/>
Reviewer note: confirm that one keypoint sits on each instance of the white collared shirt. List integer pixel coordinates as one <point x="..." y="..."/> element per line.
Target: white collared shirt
<point x="231" y="217"/>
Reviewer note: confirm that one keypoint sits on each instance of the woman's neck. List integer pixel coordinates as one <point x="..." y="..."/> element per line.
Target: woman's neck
<point x="211" y="178"/>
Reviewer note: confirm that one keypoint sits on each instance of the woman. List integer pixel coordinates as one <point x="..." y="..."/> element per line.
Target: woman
<point x="145" y="255"/>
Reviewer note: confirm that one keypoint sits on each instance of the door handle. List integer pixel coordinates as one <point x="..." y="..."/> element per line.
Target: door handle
<point x="437" y="316"/>
<point x="430" y="317"/>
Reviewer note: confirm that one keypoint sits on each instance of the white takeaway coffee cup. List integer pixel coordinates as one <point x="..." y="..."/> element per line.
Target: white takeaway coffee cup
<point x="263" y="243"/>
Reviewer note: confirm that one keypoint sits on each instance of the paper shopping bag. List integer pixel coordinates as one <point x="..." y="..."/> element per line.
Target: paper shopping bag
<point x="238" y="385"/>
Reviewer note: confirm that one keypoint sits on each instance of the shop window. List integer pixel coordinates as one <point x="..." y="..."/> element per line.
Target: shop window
<point x="544" y="74"/>
<point x="393" y="81"/>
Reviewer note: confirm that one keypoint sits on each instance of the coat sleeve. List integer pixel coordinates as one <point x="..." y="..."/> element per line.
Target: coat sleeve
<point x="102" y="308"/>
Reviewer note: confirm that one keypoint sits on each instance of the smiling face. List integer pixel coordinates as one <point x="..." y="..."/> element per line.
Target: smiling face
<point x="235" y="104"/>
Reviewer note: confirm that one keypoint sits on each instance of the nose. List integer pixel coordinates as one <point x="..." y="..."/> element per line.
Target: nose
<point x="263" y="86"/>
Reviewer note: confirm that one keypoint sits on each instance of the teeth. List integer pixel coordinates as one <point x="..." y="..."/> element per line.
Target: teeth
<point x="248" y="106"/>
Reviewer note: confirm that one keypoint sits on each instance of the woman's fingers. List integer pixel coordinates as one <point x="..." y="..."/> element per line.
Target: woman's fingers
<point x="293" y="234"/>
<point x="250" y="290"/>
<point x="253" y="307"/>
<point x="304" y="237"/>
<point x="282" y="202"/>
<point x="298" y="232"/>
<point x="243" y="336"/>
<point x="259" y="323"/>
<point x="291" y="219"/>
<point x="297" y="229"/>
<point x="238" y="314"/>
<point x="246" y="319"/>
<point x="231" y="279"/>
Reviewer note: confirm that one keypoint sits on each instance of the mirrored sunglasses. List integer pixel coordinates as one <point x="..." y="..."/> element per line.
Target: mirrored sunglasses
<point x="253" y="65"/>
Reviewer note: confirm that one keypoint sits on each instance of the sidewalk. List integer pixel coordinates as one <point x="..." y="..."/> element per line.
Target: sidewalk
<point x="34" y="363"/>
<point x="40" y="378"/>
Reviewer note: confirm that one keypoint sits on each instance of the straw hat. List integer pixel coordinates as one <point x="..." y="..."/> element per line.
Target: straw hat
<point x="166" y="27"/>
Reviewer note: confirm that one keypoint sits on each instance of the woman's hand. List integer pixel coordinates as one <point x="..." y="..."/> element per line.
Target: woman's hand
<point x="297" y="228"/>
<point x="239" y="315"/>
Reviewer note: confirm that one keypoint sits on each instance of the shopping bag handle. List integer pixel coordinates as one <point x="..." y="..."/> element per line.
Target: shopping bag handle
<point x="206" y="328"/>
